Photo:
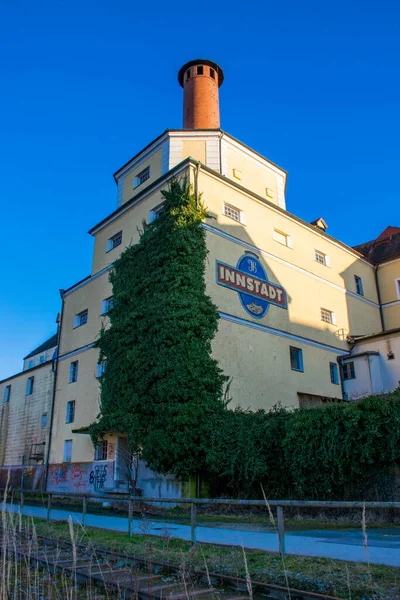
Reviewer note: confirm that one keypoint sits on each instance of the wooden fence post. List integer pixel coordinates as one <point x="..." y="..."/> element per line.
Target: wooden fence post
<point x="130" y="517"/>
<point x="84" y="511"/>
<point x="193" y="510"/>
<point x="281" y="531"/>
<point x="48" y="507"/>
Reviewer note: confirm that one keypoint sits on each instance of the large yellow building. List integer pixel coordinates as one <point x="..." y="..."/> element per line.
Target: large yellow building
<point x="293" y="301"/>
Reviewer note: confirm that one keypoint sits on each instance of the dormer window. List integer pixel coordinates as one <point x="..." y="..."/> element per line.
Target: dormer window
<point x="142" y="177"/>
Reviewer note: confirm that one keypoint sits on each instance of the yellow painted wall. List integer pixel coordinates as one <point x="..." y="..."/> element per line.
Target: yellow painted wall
<point x="88" y="297"/>
<point x="130" y="223"/>
<point x="155" y="163"/>
<point x="86" y="393"/>
<point x="253" y="176"/>
<point x="388" y="273"/>
<point x="194" y="148"/>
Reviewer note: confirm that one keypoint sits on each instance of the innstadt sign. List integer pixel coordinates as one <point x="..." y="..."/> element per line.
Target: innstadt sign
<point x="250" y="280"/>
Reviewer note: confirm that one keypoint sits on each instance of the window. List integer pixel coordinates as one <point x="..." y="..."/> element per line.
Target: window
<point x="397" y="282"/>
<point x="100" y="452"/>
<point x="73" y="371"/>
<point x="141" y="177"/>
<point x="43" y="421"/>
<point x="233" y="213"/>
<point x="155" y="213"/>
<point x="187" y="74"/>
<point x="101" y="367"/>
<point x="114" y="241"/>
<point x="31" y="364"/>
<point x="212" y="73"/>
<point x="200" y="70"/>
<point x="81" y="318"/>
<point x="70" y="412"/>
<point x="328" y="316"/>
<point x="321" y="258"/>
<point x="42" y="359"/>
<point x="359" y="285"/>
<point x="108" y="303"/>
<point x="348" y="371"/>
<point x="7" y="393"/>
<point x="296" y="359"/>
<point x="333" y="368"/>
<point x="282" y="238"/>
<point x="29" y="386"/>
<point x="67" y="450"/>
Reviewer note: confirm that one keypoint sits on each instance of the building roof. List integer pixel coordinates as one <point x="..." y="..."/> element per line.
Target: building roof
<point x="385" y="247"/>
<point x="50" y="343"/>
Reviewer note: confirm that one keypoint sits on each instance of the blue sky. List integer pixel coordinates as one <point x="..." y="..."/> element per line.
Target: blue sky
<point x="313" y="86"/>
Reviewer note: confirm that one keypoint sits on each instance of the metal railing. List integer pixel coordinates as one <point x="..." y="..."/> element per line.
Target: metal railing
<point x="194" y="502"/>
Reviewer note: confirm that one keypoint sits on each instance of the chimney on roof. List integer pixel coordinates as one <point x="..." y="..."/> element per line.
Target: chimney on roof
<point x="200" y="80"/>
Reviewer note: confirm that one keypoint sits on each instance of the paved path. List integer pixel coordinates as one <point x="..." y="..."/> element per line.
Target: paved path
<point x="383" y="544"/>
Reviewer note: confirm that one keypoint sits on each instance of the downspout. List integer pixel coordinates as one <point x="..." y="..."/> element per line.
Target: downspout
<point x="46" y="474"/>
<point x="379" y="298"/>
<point x="196" y="184"/>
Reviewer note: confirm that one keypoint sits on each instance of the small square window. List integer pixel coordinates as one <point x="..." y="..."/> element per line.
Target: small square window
<point x="70" y="417"/>
<point x="67" y="450"/>
<point x="81" y="318"/>
<point x="200" y="70"/>
<point x="334" y="373"/>
<point x="233" y="213"/>
<point x="327" y="316"/>
<point x="156" y="212"/>
<point x="349" y="371"/>
<point x="282" y="238"/>
<point x="108" y="303"/>
<point x="296" y="359"/>
<point x="321" y="258"/>
<point x="101" y="368"/>
<point x="42" y="359"/>
<point x="101" y="449"/>
<point x="29" y="386"/>
<point x="359" y="285"/>
<point x="31" y="364"/>
<point x="73" y="371"/>
<point x="7" y="393"/>
<point x="114" y="241"/>
<point x="43" y="421"/>
<point x="141" y="177"/>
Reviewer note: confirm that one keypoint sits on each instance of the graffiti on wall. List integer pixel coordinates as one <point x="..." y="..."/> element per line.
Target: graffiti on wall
<point x="80" y="478"/>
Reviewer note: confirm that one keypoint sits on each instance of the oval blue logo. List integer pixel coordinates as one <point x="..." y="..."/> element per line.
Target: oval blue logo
<point x="256" y="307"/>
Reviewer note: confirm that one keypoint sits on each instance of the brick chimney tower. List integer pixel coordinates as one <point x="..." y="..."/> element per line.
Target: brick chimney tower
<point x="200" y="80"/>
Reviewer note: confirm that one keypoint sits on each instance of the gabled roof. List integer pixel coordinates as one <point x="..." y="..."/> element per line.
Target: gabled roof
<point x="384" y="248"/>
<point x="50" y="343"/>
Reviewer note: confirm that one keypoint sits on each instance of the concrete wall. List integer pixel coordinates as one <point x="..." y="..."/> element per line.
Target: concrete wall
<point x="20" y="425"/>
<point x="92" y="478"/>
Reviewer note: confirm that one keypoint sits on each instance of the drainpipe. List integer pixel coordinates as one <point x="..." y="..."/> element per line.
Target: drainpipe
<point x="46" y="474"/>
<point x="379" y="298"/>
<point x="196" y="183"/>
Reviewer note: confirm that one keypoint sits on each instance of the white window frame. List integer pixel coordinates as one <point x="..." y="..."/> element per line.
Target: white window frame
<point x="114" y="241"/>
<point x="70" y="412"/>
<point x="230" y="207"/>
<point x="326" y="260"/>
<point x="155" y="213"/>
<point x="106" y="305"/>
<point x="101" y="450"/>
<point x="29" y="386"/>
<point x="299" y="353"/>
<point x="282" y="238"/>
<point x="79" y="317"/>
<point x="67" y="457"/>
<point x="141" y="177"/>
<point x="335" y="371"/>
<point x="332" y="320"/>
<point x="359" y="285"/>
<point x="73" y="371"/>
<point x="7" y="394"/>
